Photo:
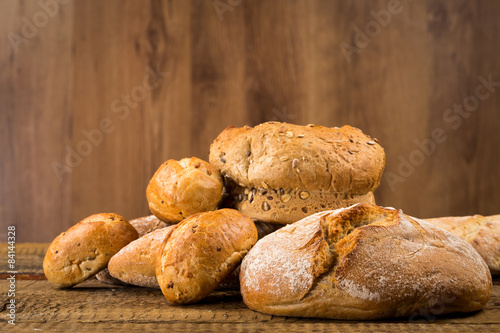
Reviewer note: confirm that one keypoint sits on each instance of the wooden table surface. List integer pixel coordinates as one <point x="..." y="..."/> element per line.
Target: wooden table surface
<point x="95" y="306"/>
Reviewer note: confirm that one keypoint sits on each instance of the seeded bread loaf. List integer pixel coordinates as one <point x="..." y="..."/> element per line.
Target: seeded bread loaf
<point x="182" y="188"/>
<point x="201" y="252"/>
<point x="84" y="249"/>
<point x="482" y="232"/>
<point x="280" y="173"/>
<point x="363" y="262"/>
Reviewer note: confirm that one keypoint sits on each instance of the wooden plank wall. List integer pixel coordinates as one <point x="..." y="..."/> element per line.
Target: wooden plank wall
<point x="160" y="80"/>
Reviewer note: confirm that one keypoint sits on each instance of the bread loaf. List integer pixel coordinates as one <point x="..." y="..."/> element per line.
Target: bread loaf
<point x="482" y="232"/>
<point x="180" y="189"/>
<point x="201" y="252"/>
<point x="84" y="249"/>
<point x="363" y="262"/>
<point x="280" y="173"/>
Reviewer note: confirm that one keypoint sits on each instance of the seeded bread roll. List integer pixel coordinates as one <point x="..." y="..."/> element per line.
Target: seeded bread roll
<point x="135" y="263"/>
<point x="482" y="232"/>
<point x="85" y="248"/>
<point x="201" y="252"/>
<point x="144" y="225"/>
<point x="180" y="189"/>
<point x="363" y="262"/>
<point x="280" y="173"/>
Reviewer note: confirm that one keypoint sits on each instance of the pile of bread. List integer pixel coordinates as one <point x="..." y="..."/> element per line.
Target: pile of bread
<point x="222" y="225"/>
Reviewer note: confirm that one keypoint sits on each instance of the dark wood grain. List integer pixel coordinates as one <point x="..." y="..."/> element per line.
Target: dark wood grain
<point x="254" y="61"/>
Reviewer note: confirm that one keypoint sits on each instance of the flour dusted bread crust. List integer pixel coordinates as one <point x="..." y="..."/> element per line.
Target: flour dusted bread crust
<point x="84" y="249"/>
<point x="147" y="224"/>
<point x="201" y="252"/>
<point x="280" y="173"/>
<point x="135" y="263"/>
<point x="482" y="232"/>
<point x="363" y="262"/>
<point x="182" y="188"/>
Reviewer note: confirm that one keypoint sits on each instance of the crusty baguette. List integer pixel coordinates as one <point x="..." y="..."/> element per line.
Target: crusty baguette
<point x="482" y="232"/>
<point x="363" y="262"/>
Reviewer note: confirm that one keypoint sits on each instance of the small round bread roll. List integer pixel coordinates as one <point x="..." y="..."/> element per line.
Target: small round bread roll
<point x="84" y="249"/>
<point x="201" y="252"/>
<point x="361" y="263"/>
<point x="180" y="189"/>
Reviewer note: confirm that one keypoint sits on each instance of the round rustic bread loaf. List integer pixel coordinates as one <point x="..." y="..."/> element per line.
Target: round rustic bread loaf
<point x="363" y="262"/>
<point x="84" y="249"/>
<point x="180" y="189"/>
<point x="280" y="173"/>
<point x="201" y="252"/>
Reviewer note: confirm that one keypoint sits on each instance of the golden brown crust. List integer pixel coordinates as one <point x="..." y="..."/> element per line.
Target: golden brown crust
<point x="363" y="262"/>
<point x="305" y="166"/>
<point x="201" y="252"/>
<point x="482" y="232"/>
<point x="144" y="225"/>
<point x="180" y="189"/>
<point x="135" y="263"/>
<point x="84" y="249"/>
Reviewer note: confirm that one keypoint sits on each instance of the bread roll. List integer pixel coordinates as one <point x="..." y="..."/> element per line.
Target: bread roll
<point x="144" y="225"/>
<point x="135" y="263"/>
<point x="180" y="189"/>
<point x="482" y="232"/>
<point x="363" y="262"/>
<point x="201" y="252"/>
<point x="280" y="173"/>
<point x="147" y="224"/>
<point x="84" y="249"/>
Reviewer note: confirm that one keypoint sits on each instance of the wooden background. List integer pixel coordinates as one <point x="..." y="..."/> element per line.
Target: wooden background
<point x="250" y="62"/>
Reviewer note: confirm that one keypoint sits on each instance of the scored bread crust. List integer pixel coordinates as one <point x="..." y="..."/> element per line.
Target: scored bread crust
<point x="301" y="167"/>
<point x="482" y="232"/>
<point x="363" y="262"/>
<point x="85" y="249"/>
<point x="182" y="188"/>
<point x="201" y="252"/>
